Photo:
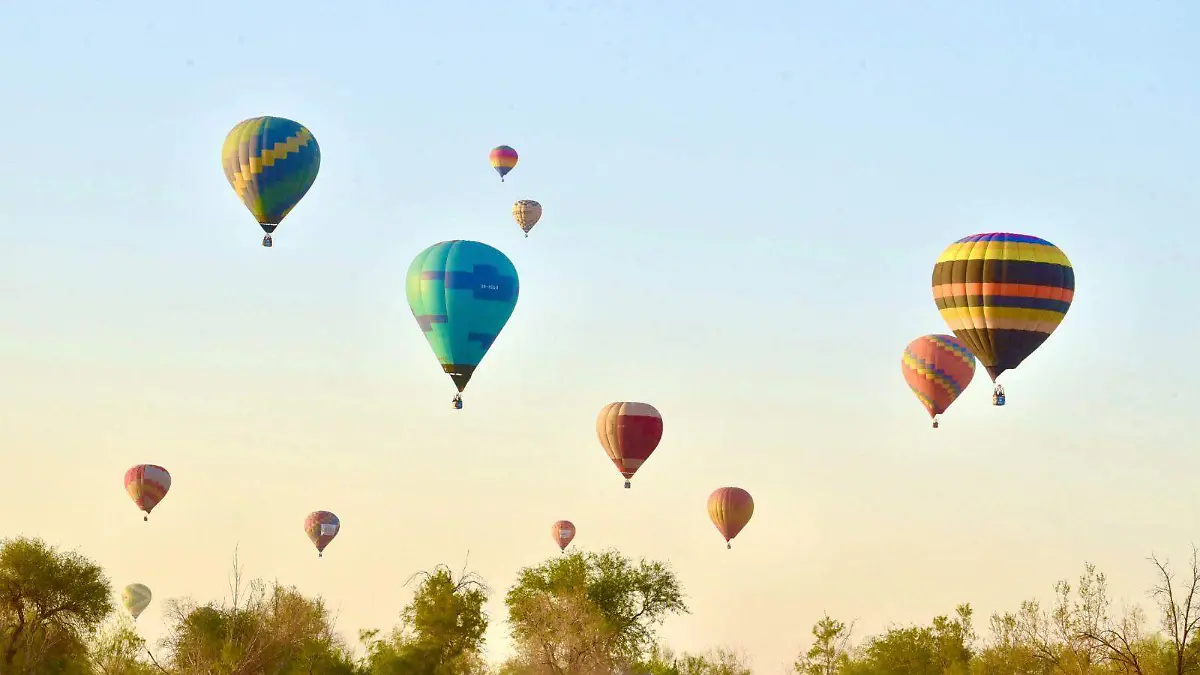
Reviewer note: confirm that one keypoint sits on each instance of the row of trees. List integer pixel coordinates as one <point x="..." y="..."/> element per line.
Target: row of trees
<point x="578" y="614"/>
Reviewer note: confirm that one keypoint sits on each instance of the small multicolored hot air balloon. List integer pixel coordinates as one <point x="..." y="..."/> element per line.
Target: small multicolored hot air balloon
<point x="321" y="527"/>
<point x="136" y="598"/>
<point x="730" y="508"/>
<point x="503" y="160"/>
<point x="147" y="484"/>
<point x="1003" y="294"/>
<point x="629" y="433"/>
<point x="462" y="293"/>
<point x="527" y="213"/>
<point x="937" y="368"/>
<point x="563" y="532"/>
<point x="271" y="162"/>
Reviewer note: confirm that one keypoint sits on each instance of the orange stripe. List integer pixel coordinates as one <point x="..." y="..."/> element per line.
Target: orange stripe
<point x="1011" y="290"/>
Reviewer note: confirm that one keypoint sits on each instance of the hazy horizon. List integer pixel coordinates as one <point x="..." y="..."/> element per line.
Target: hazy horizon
<point x="742" y="209"/>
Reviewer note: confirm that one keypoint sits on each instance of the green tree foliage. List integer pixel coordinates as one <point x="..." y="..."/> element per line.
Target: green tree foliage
<point x="719" y="661"/>
<point x="51" y="604"/>
<point x="829" y="653"/>
<point x="261" y="630"/>
<point x="578" y="614"/>
<point x="589" y="612"/>
<point x="441" y="631"/>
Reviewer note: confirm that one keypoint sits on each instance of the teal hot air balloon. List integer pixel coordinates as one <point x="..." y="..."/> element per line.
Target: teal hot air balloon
<point x="461" y="293"/>
<point x="270" y="162"/>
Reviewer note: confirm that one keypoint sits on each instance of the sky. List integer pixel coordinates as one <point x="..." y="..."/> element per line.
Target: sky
<point x="743" y="205"/>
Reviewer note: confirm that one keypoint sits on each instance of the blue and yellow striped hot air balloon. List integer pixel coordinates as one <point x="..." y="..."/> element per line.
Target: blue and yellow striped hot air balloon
<point x="271" y="162"/>
<point x="1003" y="294"/>
<point x="461" y="293"/>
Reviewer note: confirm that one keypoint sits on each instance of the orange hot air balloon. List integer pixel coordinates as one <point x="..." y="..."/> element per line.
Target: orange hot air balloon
<point x="147" y="484"/>
<point x="937" y="368"/>
<point x="563" y="532"/>
<point x="629" y="433"/>
<point x="730" y="508"/>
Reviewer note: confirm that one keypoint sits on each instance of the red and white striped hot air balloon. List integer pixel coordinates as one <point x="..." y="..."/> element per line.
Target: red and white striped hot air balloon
<point x="563" y="532"/>
<point x="629" y="433"/>
<point x="147" y="484"/>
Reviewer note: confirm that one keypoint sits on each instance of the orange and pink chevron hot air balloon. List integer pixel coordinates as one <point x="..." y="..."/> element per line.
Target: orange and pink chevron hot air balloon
<point x="730" y="508"/>
<point x="937" y="368"/>
<point x="563" y="532"/>
<point x="147" y="484"/>
<point x="321" y="527"/>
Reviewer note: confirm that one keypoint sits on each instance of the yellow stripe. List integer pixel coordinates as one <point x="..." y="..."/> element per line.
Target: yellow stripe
<point x="1015" y="318"/>
<point x="269" y="156"/>
<point x="1005" y="250"/>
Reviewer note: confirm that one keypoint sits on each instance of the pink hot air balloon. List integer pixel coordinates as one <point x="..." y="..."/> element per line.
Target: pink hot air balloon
<point x="563" y="532"/>
<point x="147" y="484"/>
<point x="730" y="508"/>
<point x="321" y="527"/>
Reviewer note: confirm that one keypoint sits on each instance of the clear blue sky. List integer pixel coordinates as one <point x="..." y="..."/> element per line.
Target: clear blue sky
<point x="743" y="204"/>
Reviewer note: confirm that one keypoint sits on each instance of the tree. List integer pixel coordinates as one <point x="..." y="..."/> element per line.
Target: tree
<point x="719" y="661"/>
<point x="1124" y="642"/>
<point x="441" y="631"/>
<point x="943" y="648"/>
<point x="590" y="610"/>
<point x="1006" y="653"/>
<point x="830" y="651"/>
<point x="117" y="650"/>
<point x="51" y="603"/>
<point x="264" y="630"/>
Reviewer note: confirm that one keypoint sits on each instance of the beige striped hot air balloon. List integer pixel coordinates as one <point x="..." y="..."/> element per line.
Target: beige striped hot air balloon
<point x="730" y="508"/>
<point x="136" y="598"/>
<point x="527" y="213"/>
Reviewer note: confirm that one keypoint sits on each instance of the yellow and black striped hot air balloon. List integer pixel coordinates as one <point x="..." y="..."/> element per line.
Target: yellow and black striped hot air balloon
<point x="1003" y="294"/>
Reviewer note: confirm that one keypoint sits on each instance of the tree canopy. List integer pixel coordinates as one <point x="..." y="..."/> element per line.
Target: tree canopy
<point x="587" y="613"/>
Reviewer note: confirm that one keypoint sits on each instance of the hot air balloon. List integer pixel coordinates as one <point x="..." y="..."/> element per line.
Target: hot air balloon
<point x="1002" y="294"/>
<point x="937" y="368"/>
<point x="527" y="213"/>
<point x="321" y="527"/>
<point x="461" y="293"/>
<point x="730" y="508"/>
<point x="563" y="532"/>
<point x="271" y="162"/>
<point x="147" y="484"/>
<point x="136" y="598"/>
<point x="629" y="433"/>
<point x="503" y="160"/>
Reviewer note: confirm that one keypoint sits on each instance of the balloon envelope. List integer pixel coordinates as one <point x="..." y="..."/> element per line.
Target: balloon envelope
<point x="1003" y="294"/>
<point x="270" y="162"/>
<point x="136" y="598"/>
<point x="937" y="368"/>
<point x="563" y="532"/>
<point x="730" y="508"/>
<point x="147" y="484"/>
<point x="629" y="433"/>
<point x="503" y="159"/>
<point x="461" y="294"/>
<point x="321" y="527"/>
<point x="527" y="213"/>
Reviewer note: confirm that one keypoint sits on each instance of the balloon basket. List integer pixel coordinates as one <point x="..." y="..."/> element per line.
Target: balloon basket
<point x="627" y="486"/>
